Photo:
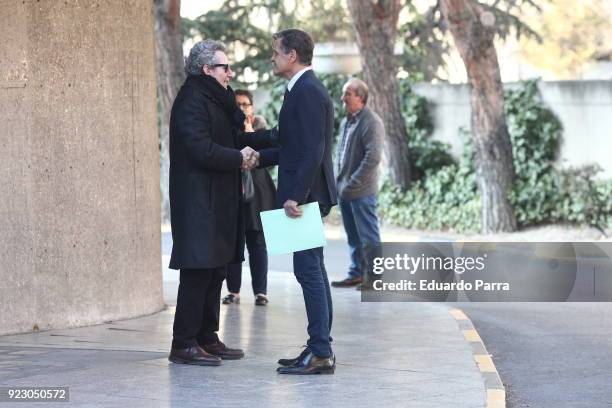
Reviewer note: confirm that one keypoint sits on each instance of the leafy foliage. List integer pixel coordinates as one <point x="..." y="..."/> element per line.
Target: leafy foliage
<point x="426" y="43"/>
<point x="535" y="134"/>
<point x="576" y="33"/>
<point x="446" y="195"/>
<point x="424" y="153"/>
<point x="239" y="25"/>
<point x="542" y="192"/>
<point x="246" y="27"/>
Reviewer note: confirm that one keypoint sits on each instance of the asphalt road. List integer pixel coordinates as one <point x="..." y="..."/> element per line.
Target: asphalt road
<point x="548" y="354"/>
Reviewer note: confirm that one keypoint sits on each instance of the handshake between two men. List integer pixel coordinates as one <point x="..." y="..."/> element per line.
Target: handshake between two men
<point x="250" y="158"/>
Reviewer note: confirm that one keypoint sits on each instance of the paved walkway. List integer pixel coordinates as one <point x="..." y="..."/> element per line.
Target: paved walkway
<point x="389" y="354"/>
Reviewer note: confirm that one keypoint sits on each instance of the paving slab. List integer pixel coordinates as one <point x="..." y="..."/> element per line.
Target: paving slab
<point x="388" y="354"/>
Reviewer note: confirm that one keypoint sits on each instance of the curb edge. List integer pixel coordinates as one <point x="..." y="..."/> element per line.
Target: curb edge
<point x="496" y="392"/>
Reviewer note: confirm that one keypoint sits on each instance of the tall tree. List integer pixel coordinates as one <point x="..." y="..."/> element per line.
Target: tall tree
<point x="246" y="27"/>
<point x="375" y="24"/>
<point x="427" y="45"/>
<point x="473" y="30"/>
<point x="170" y="76"/>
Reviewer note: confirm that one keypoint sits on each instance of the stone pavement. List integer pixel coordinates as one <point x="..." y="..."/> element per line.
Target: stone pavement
<point x="389" y="354"/>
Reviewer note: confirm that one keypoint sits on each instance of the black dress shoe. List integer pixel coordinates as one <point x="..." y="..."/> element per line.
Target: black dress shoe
<point x="261" y="300"/>
<point x="311" y="364"/>
<point x="221" y="350"/>
<point x="347" y="283"/>
<point x="231" y="298"/>
<point x="288" y="362"/>
<point x="193" y="355"/>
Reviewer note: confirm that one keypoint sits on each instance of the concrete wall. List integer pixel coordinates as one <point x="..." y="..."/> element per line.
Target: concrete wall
<point x="79" y="193"/>
<point x="584" y="108"/>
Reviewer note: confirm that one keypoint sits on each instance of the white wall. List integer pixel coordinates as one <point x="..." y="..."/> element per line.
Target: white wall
<point x="584" y="108"/>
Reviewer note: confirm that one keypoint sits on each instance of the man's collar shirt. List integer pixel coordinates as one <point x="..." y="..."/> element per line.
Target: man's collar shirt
<point x="295" y="78"/>
<point x="349" y="128"/>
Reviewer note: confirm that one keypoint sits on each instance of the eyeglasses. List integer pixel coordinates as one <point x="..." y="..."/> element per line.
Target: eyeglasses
<point x="245" y="105"/>
<point x="226" y="67"/>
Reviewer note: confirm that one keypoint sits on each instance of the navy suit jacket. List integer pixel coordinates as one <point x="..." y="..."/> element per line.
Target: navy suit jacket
<point x="304" y="155"/>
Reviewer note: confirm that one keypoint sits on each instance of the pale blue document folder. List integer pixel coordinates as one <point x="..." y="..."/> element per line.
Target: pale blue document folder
<point x="285" y="235"/>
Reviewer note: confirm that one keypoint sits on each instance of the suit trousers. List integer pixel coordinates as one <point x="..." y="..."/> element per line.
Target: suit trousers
<point x="258" y="263"/>
<point x="196" y="319"/>
<point x="310" y="272"/>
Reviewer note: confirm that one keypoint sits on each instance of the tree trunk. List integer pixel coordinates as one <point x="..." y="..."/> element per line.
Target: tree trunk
<point x="375" y="24"/>
<point x="170" y="76"/>
<point x="473" y="31"/>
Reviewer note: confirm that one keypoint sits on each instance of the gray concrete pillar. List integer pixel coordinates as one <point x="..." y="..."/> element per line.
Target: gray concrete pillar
<point x="79" y="163"/>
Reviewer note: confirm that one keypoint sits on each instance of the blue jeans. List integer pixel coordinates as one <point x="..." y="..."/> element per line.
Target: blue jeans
<point x="309" y="269"/>
<point x="361" y="225"/>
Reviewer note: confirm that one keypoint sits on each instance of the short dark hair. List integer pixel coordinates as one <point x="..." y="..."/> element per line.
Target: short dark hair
<point x="298" y="40"/>
<point x="244" y="92"/>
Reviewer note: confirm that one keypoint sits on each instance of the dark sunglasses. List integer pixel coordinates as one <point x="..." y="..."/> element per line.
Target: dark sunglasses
<point x="225" y="67"/>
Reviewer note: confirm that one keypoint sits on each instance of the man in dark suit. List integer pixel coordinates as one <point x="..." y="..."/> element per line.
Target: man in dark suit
<point x="305" y="174"/>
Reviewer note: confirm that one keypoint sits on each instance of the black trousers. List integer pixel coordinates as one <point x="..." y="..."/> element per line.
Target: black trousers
<point x="258" y="262"/>
<point x="196" y="320"/>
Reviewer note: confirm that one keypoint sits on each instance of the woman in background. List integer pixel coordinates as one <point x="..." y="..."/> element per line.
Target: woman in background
<point x="263" y="193"/>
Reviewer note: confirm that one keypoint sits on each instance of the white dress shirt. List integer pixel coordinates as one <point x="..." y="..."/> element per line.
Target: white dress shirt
<point x="297" y="76"/>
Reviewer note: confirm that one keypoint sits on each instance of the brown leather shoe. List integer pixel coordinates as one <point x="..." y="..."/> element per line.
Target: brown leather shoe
<point x="221" y="350"/>
<point x="193" y="355"/>
<point x="347" y="283"/>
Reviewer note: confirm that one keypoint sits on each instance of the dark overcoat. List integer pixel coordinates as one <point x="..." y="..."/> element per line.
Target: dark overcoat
<point x="263" y="199"/>
<point x="205" y="181"/>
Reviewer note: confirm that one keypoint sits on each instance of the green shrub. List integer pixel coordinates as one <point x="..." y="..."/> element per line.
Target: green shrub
<point x="445" y="194"/>
<point x="444" y="198"/>
<point x="424" y="153"/>
<point x="535" y="134"/>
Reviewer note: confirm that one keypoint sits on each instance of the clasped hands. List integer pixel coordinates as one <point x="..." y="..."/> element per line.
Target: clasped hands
<point x="250" y="158"/>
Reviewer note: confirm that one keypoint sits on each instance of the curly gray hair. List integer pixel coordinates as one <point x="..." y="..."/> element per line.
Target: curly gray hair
<point x="202" y="53"/>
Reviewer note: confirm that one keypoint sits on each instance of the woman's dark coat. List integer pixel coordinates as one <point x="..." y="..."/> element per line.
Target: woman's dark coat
<point x="205" y="181"/>
<point x="263" y="199"/>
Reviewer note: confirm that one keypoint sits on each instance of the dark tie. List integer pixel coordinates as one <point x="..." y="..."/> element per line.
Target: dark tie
<point x="285" y="95"/>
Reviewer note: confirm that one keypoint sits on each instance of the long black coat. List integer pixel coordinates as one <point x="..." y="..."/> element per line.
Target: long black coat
<point x="263" y="199"/>
<point x="205" y="181"/>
